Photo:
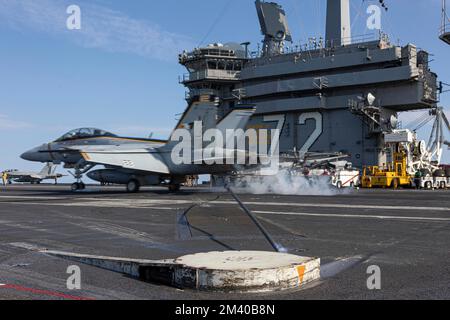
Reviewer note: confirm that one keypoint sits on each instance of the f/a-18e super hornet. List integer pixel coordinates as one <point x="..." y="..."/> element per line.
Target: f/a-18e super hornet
<point x="140" y="162"/>
<point x="64" y="150"/>
<point x="47" y="173"/>
<point x="139" y="166"/>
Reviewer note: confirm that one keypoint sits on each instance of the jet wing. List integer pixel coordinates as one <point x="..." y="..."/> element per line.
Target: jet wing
<point x="19" y="175"/>
<point x="24" y="177"/>
<point x="148" y="160"/>
<point x="122" y="147"/>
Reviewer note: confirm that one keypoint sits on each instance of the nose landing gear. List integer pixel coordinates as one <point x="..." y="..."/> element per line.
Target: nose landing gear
<point x="78" y="186"/>
<point x="80" y="169"/>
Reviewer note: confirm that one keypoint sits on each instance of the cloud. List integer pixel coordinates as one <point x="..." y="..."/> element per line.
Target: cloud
<point x="7" y="124"/>
<point x="101" y="28"/>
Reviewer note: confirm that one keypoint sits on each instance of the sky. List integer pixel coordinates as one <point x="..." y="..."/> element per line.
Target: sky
<point x="120" y="71"/>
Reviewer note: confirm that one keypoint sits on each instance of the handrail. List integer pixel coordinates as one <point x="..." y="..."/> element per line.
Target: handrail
<point x="212" y="52"/>
<point x="322" y="44"/>
<point x="210" y="74"/>
<point x="444" y="33"/>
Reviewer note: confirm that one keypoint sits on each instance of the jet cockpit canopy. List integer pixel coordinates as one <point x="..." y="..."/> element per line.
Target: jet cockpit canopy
<point x="84" y="133"/>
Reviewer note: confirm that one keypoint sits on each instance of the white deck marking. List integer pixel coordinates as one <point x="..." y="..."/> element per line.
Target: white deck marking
<point x="317" y="215"/>
<point x="342" y="206"/>
<point x="274" y="204"/>
<point x="29" y="198"/>
<point x="26" y="246"/>
<point x="119" y="231"/>
<point x="140" y="201"/>
<point x="354" y="216"/>
<point x="144" y="203"/>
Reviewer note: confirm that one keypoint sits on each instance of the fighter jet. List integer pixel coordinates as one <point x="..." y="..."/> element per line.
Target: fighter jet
<point x="47" y="173"/>
<point x="63" y="150"/>
<point x="137" y="162"/>
<point x="155" y="166"/>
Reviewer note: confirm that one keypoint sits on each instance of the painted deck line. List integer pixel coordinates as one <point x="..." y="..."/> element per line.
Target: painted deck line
<point x="43" y="292"/>
<point x="354" y="216"/>
<point x="30" y="198"/>
<point x="341" y="206"/>
<point x="143" y="203"/>
<point x="94" y="205"/>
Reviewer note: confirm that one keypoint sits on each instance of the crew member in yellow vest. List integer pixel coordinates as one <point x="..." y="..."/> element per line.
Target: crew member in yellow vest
<point x="5" y="178"/>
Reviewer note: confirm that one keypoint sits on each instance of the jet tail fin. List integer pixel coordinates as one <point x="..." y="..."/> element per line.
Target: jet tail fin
<point x="204" y="110"/>
<point x="48" y="169"/>
<point x="232" y="129"/>
<point x="158" y="160"/>
<point x="206" y="113"/>
<point x="236" y="119"/>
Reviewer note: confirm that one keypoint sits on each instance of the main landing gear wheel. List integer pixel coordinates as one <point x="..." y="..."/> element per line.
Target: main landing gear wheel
<point x="174" y="188"/>
<point x="133" y="186"/>
<point x="78" y="186"/>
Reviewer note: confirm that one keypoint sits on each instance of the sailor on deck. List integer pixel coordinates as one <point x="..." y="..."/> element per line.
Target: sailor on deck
<point x="5" y="178"/>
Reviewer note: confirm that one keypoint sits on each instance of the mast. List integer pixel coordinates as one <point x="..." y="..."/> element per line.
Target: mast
<point x="443" y="15"/>
<point x="338" y="29"/>
<point x="444" y="32"/>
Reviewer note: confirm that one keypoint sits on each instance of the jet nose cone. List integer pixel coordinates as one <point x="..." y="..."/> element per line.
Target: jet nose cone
<point x="26" y="156"/>
<point x="32" y="155"/>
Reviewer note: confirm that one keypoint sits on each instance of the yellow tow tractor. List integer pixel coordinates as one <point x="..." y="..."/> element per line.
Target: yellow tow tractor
<point x="394" y="176"/>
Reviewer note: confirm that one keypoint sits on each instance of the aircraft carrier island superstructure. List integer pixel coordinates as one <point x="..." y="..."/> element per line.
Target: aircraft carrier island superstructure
<point x="331" y="95"/>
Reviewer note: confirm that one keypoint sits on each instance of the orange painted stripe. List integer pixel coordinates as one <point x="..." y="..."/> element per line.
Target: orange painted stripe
<point x="85" y="156"/>
<point x="301" y="273"/>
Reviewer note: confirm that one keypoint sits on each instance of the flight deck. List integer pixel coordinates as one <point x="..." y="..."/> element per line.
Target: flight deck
<point x="403" y="232"/>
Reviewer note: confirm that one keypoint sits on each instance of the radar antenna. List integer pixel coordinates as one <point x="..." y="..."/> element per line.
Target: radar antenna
<point x="274" y="27"/>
